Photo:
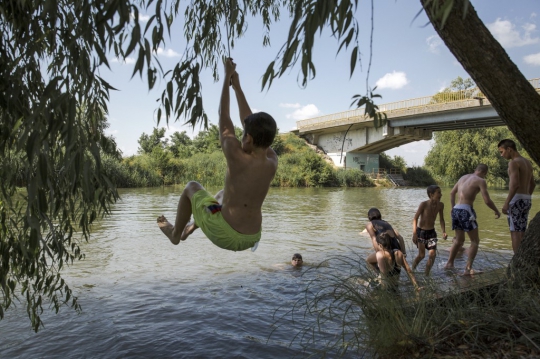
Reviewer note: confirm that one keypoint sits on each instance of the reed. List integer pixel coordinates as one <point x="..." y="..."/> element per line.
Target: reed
<point x="353" y="316"/>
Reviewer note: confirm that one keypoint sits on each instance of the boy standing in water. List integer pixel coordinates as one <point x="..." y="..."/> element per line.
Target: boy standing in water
<point x="232" y="219"/>
<point x="464" y="216"/>
<point x="521" y="187"/>
<point x="424" y="235"/>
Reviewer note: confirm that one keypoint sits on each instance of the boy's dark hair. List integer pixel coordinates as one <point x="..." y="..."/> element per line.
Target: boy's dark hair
<point x="507" y="143"/>
<point x="374" y="213"/>
<point x="297" y="255"/>
<point x="431" y="189"/>
<point x="384" y="240"/>
<point x="262" y="127"/>
<point x="482" y="168"/>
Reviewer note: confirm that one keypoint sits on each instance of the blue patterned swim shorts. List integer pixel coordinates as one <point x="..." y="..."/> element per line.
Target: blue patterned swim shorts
<point x="518" y="212"/>
<point x="463" y="218"/>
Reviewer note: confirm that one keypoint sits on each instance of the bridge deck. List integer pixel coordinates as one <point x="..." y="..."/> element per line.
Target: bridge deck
<point x="438" y="103"/>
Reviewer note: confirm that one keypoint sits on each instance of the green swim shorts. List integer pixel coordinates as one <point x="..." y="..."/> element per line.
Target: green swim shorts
<point x="207" y="214"/>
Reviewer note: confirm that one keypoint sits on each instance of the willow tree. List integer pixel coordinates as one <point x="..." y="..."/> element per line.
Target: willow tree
<point x="53" y="102"/>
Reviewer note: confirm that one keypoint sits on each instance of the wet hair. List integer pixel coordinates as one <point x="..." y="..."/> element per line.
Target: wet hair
<point x="507" y="143"/>
<point x="384" y="240"/>
<point x="297" y="255"/>
<point x="432" y="189"/>
<point x="482" y="168"/>
<point x="373" y="214"/>
<point x="262" y="127"/>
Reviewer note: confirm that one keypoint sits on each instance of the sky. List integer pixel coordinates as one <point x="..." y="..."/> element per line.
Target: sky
<point x="409" y="60"/>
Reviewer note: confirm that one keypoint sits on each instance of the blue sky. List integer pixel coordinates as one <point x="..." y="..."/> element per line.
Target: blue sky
<point x="409" y="61"/>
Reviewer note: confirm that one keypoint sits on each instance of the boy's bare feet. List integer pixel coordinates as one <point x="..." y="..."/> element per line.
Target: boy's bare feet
<point x="471" y="272"/>
<point x="166" y="227"/>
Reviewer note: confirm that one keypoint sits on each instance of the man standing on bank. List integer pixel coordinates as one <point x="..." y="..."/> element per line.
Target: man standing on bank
<point x="232" y="219"/>
<point x="464" y="216"/>
<point x="520" y="189"/>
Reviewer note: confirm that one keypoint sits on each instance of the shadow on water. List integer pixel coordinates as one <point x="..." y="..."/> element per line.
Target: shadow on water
<point x="143" y="297"/>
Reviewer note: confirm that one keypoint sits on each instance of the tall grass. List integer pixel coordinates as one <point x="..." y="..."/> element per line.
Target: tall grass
<point x="353" y="317"/>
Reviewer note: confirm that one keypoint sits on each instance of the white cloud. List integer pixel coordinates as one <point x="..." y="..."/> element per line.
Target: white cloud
<point x="167" y="53"/>
<point x="289" y="105"/>
<point x="507" y="34"/>
<point x="304" y="112"/>
<point x="434" y="43"/>
<point x="142" y="17"/>
<point x="533" y="59"/>
<point x="394" y="81"/>
<point x="127" y="60"/>
<point x="533" y="15"/>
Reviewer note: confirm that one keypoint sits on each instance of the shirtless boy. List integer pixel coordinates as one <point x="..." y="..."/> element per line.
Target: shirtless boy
<point x="464" y="216"/>
<point x="520" y="189"/>
<point x="424" y="235"/>
<point x="232" y="220"/>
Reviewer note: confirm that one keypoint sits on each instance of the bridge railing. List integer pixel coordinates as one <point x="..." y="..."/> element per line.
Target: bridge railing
<point x="357" y="115"/>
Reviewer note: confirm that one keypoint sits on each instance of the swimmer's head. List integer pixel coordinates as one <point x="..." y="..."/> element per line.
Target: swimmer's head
<point x="261" y="127"/>
<point x="297" y="260"/>
<point x="384" y="240"/>
<point x="373" y="214"/>
<point x="431" y="190"/>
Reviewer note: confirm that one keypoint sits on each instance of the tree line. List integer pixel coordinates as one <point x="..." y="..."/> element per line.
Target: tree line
<point x="179" y="159"/>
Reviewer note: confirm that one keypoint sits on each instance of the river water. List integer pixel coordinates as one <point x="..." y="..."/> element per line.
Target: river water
<point x="143" y="297"/>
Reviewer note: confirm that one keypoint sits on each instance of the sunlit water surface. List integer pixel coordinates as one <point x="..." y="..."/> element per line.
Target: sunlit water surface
<point x="143" y="297"/>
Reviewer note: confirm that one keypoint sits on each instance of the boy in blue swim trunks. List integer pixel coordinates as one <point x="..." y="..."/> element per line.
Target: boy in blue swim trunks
<point x="424" y="235"/>
<point x="232" y="219"/>
<point x="521" y="187"/>
<point x="464" y="217"/>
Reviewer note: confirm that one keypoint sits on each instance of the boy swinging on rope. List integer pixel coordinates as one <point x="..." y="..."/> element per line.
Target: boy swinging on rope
<point x="232" y="219"/>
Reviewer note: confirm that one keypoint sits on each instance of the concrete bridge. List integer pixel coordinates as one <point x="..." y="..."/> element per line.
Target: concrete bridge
<point x="352" y="141"/>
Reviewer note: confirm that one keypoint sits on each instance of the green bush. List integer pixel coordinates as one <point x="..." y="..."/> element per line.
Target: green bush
<point x="207" y="169"/>
<point x="353" y="178"/>
<point x="419" y="176"/>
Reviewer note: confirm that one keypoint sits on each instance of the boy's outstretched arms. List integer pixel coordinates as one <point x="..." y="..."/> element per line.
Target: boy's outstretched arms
<point x="243" y="106"/>
<point x="226" y="127"/>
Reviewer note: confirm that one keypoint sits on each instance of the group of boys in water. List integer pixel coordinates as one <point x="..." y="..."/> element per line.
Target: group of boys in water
<point x="232" y="218"/>
<point x="390" y="250"/>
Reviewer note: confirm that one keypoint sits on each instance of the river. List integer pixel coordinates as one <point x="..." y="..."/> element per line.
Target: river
<point x="143" y="297"/>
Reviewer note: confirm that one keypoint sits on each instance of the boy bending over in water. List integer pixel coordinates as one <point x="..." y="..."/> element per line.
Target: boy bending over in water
<point x="390" y="261"/>
<point x="232" y="219"/>
<point x="377" y="226"/>
<point x="424" y="235"/>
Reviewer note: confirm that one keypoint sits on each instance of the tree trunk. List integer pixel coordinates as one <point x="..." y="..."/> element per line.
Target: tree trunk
<point x="526" y="263"/>
<point x="510" y="93"/>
